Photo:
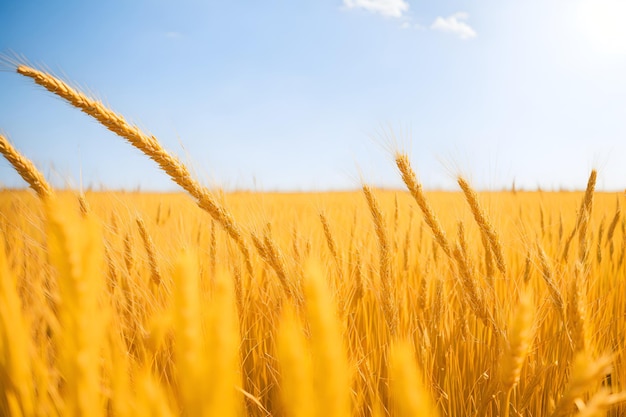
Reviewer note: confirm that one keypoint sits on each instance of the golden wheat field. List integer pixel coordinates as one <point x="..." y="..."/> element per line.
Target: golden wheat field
<point x="364" y="303"/>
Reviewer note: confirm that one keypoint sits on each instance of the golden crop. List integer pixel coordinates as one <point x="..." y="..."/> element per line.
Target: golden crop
<point x="364" y="303"/>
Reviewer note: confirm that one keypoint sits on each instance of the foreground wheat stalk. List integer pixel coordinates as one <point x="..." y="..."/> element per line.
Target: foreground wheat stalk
<point x="150" y="146"/>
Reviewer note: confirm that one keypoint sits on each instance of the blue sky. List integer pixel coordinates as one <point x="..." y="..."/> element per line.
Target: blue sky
<point x="301" y="95"/>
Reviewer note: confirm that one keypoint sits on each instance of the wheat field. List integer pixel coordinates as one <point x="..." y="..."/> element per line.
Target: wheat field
<point x="364" y="303"/>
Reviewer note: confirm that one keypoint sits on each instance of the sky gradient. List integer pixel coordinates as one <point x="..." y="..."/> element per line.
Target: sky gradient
<point x="305" y="95"/>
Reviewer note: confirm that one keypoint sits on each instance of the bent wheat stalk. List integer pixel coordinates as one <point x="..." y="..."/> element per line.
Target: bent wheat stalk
<point x="150" y="146"/>
<point x="415" y="188"/>
<point x="25" y="168"/>
<point x="485" y="226"/>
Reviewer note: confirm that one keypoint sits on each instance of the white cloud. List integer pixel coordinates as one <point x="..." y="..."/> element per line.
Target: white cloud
<point x="173" y="35"/>
<point x="389" y="8"/>
<point x="455" y="24"/>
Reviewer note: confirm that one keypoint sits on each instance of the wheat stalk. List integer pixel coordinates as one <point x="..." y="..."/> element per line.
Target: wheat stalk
<point x="584" y="215"/>
<point x="415" y="188"/>
<point x="611" y="230"/>
<point x="150" y="250"/>
<point x="25" y="168"/>
<point x="150" y="146"/>
<point x="548" y="277"/>
<point x="390" y="307"/>
<point x="332" y="245"/>
<point x="485" y="226"/>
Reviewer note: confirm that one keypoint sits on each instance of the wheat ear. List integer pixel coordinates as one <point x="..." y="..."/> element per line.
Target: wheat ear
<point x="611" y="230"/>
<point x="577" y="317"/>
<point x="270" y="253"/>
<point x="148" y="243"/>
<point x="390" y="307"/>
<point x="547" y="274"/>
<point x="484" y="224"/>
<point x="25" y="168"/>
<point x="332" y="245"/>
<point x="149" y="145"/>
<point x="415" y="188"/>
<point x="584" y="215"/>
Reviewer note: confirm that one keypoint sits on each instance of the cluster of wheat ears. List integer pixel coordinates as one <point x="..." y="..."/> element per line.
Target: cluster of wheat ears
<point x="307" y="304"/>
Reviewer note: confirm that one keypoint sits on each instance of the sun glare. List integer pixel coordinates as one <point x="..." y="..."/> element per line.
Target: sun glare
<point x="603" y="24"/>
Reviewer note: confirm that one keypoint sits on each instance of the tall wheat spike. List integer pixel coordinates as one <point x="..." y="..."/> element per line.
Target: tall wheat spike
<point x="332" y="245"/>
<point x="483" y="223"/>
<point x="577" y="318"/>
<point x="611" y="230"/>
<point x="584" y="215"/>
<point x="390" y="307"/>
<point x="548" y="277"/>
<point x="150" y="146"/>
<point x="25" y="168"/>
<point x="415" y="188"/>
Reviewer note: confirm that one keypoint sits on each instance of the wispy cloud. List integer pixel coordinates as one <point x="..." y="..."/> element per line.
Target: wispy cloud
<point x="455" y="24"/>
<point x="389" y="8"/>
